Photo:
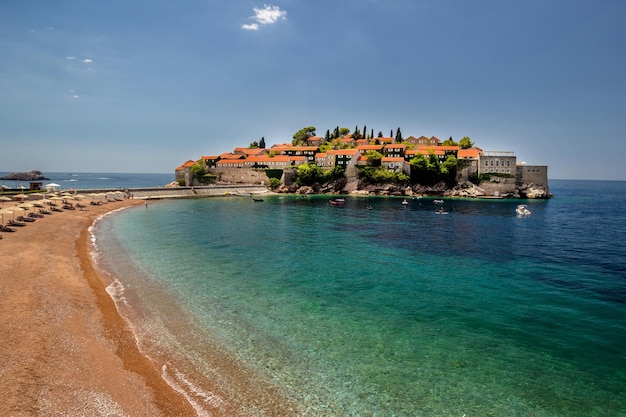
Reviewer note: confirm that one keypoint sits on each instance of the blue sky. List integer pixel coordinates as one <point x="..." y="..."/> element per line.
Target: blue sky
<point x="119" y="86"/>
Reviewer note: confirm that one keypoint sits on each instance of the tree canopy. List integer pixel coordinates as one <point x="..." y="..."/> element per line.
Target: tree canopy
<point x="301" y="136"/>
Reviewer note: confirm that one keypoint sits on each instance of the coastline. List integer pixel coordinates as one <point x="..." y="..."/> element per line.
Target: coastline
<point x="66" y="349"/>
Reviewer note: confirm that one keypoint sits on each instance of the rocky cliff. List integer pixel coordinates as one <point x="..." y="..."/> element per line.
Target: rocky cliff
<point x="464" y="189"/>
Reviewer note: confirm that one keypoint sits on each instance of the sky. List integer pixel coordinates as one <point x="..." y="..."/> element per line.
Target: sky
<point x="143" y="86"/>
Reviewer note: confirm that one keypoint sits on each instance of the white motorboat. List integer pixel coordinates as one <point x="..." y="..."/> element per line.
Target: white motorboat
<point x="522" y="210"/>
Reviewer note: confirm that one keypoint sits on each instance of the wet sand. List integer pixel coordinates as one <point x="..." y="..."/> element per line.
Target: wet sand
<point x="65" y="349"/>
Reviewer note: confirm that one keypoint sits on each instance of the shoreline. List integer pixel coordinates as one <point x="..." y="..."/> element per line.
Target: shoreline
<point x="66" y="349"/>
<point x="69" y="350"/>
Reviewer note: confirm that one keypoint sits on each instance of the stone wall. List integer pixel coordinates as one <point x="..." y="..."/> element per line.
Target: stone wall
<point x="499" y="187"/>
<point x="195" y="192"/>
<point x="240" y="175"/>
<point x="533" y="174"/>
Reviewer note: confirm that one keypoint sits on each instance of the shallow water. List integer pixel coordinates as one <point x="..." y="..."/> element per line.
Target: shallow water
<point x="391" y="311"/>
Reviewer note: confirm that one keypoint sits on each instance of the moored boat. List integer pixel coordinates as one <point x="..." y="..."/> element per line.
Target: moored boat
<point x="522" y="210"/>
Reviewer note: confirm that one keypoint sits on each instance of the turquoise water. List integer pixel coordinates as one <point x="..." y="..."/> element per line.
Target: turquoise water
<point x="395" y="311"/>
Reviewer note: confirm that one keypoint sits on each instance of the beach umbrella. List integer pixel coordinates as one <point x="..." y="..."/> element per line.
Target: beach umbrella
<point x="16" y="209"/>
<point x="3" y="212"/>
<point x="3" y="199"/>
<point x="21" y="196"/>
<point x="52" y="186"/>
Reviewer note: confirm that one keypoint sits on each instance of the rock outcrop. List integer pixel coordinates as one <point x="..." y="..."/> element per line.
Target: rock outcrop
<point x="533" y="191"/>
<point x="464" y="189"/>
<point x="25" y="176"/>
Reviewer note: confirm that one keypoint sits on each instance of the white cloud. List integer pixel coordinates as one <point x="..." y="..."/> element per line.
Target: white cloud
<point x="265" y="16"/>
<point x="87" y="61"/>
<point x="71" y="57"/>
<point x="250" y="26"/>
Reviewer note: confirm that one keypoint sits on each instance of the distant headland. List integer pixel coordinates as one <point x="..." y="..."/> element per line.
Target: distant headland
<point x="25" y="176"/>
<point x="345" y="162"/>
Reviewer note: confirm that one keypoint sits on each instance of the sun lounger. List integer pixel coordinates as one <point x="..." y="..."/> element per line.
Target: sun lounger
<point x="25" y="219"/>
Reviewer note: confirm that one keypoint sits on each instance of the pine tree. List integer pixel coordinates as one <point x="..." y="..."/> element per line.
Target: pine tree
<point x="262" y="143"/>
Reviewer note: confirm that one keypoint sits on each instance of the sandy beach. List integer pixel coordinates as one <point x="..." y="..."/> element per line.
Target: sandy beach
<point x="65" y="350"/>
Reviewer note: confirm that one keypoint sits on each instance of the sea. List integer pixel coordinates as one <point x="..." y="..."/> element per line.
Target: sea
<point x="391" y="310"/>
<point x="96" y="180"/>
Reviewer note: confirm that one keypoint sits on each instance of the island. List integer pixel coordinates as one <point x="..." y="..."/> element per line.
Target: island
<point x="25" y="176"/>
<point x="345" y="162"/>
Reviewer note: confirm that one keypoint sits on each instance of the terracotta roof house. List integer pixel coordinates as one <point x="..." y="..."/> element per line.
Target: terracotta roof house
<point x="228" y="155"/>
<point x="249" y="151"/>
<point x="344" y="156"/>
<point x="210" y="161"/>
<point x="307" y="151"/>
<point x="424" y="141"/>
<point x="280" y="161"/>
<point x="395" y="149"/>
<point x="365" y="148"/>
<point x="322" y="159"/>
<point x="469" y="153"/>
<point x="315" y="141"/>
<point x="395" y="164"/>
<point x="383" y="140"/>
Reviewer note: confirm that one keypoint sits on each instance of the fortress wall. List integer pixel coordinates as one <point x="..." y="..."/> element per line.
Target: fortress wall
<point x="533" y="174"/>
<point x="240" y="175"/>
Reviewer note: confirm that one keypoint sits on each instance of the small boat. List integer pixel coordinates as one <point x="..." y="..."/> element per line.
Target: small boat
<point x="437" y="201"/>
<point x="369" y="208"/>
<point x="441" y="211"/>
<point x="337" y="202"/>
<point x="257" y="199"/>
<point x="522" y="210"/>
<point x="404" y="202"/>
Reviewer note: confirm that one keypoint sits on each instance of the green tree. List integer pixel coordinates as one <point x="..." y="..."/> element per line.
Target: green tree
<point x="343" y="131"/>
<point x="466" y="143"/>
<point x="449" y="142"/>
<point x="200" y="173"/>
<point x="379" y="175"/>
<point x="374" y="158"/>
<point x="448" y="170"/>
<point x="398" y="136"/>
<point x="301" y="136"/>
<point x="262" y="143"/>
<point x="254" y="145"/>
<point x="309" y="174"/>
<point x="425" y="169"/>
<point x="274" y="183"/>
